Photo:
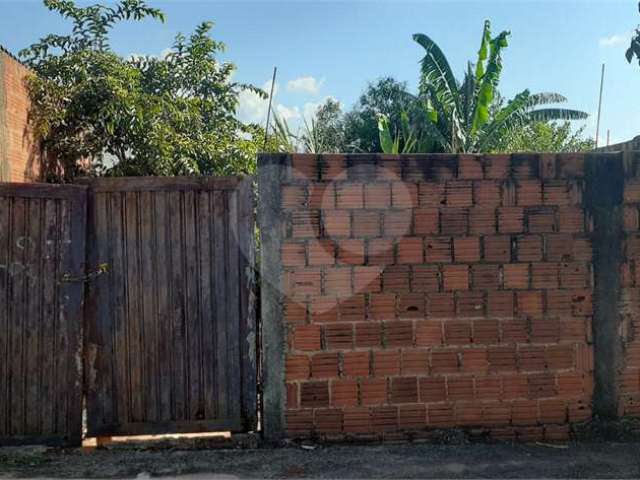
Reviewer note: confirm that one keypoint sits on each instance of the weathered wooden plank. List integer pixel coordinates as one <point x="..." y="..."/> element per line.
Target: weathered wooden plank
<point x="220" y="268"/>
<point x="72" y="293"/>
<point x="50" y="248"/>
<point x="42" y="190"/>
<point x="183" y="426"/>
<point x="133" y="305"/>
<point x="17" y="316"/>
<point x="232" y="306"/>
<point x="163" y="184"/>
<point x="5" y="338"/>
<point x="63" y="339"/>
<point x="117" y="287"/>
<point x="98" y="333"/>
<point x="33" y="357"/>
<point x="164" y="313"/>
<point x="192" y="308"/>
<point x="149" y="337"/>
<point x="176" y="220"/>
<point x="205" y="240"/>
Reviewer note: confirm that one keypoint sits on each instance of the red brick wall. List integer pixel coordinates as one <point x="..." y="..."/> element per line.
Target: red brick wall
<point x="629" y="379"/>
<point x="436" y="291"/>
<point x="19" y="153"/>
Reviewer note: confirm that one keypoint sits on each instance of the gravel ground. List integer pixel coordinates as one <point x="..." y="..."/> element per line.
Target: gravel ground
<point x="583" y="460"/>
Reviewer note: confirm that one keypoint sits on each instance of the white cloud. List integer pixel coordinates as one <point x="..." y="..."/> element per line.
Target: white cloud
<point x="309" y="108"/>
<point x="287" y="113"/>
<point x="308" y="85"/>
<point x="266" y="86"/>
<point x="252" y="108"/>
<point x="615" y="40"/>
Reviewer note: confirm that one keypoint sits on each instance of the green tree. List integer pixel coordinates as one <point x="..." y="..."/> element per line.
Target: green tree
<point x="544" y="137"/>
<point x="322" y="133"/>
<point x="463" y="117"/>
<point x="329" y="125"/>
<point x="99" y="113"/>
<point x="388" y="97"/>
<point x="634" y="47"/>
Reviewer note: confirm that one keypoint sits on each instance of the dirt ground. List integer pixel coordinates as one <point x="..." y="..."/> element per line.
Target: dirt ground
<point x="584" y="460"/>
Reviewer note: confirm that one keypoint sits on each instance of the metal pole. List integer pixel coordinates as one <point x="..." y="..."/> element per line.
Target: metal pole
<point x="266" y="128"/>
<point x="599" y="106"/>
<point x="608" y="136"/>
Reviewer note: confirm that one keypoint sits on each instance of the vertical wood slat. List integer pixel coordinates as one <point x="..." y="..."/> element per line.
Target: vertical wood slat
<point x="220" y="272"/>
<point x="133" y="301"/>
<point x="232" y="299"/>
<point x="5" y="341"/>
<point x="188" y="331"/>
<point x="149" y="299"/>
<point x="177" y="305"/>
<point x="49" y="312"/>
<point x="33" y="256"/>
<point x="97" y="307"/>
<point x="207" y="340"/>
<point x="115" y="283"/>
<point x="193" y="318"/>
<point x="164" y="314"/>
<point x="18" y="314"/>
<point x="42" y="239"/>
<point x="72" y="297"/>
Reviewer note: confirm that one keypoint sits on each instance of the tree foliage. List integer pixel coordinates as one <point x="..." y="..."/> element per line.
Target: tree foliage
<point x="322" y="133"/>
<point x="387" y="97"/>
<point x="465" y="116"/>
<point x="100" y="113"/>
<point x="634" y="47"/>
<point x="542" y="136"/>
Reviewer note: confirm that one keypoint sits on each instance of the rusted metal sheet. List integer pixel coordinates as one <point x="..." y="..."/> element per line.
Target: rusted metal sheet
<point x="170" y="328"/>
<point x="42" y="250"/>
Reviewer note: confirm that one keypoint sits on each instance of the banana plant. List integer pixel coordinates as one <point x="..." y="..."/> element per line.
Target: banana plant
<point x="404" y="141"/>
<point x="465" y="117"/>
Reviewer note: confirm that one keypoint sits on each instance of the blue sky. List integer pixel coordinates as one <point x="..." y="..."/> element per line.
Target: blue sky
<point x="334" y="48"/>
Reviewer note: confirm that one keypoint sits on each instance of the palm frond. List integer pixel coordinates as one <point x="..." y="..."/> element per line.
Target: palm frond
<point x="489" y="82"/>
<point x="545" y="98"/>
<point x="511" y="116"/>
<point x="445" y="119"/>
<point x="467" y="96"/>
<point x="483" y="52"/>
<point x="436" y="71"/>
<point x="433" y="136"/>
<point x="550" y="114"/>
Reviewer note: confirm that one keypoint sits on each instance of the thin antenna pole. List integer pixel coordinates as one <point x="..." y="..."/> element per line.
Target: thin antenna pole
<point x="608" y="136"/>
<point x="599" y="106"/>
<point x="266" y="128"/>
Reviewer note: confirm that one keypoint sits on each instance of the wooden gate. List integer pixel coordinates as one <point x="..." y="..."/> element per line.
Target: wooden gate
<point x="170" y="327"/>
<point x="42" y="239"/>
